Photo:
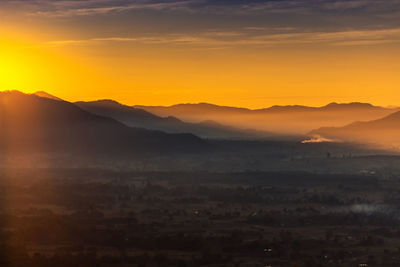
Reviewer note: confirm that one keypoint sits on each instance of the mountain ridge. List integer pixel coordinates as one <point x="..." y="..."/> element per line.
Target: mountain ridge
<point x="47" y="95"/>
<point x="141" y="118"/>
<point x="384" y="131"/>
<point x="274" y="107"/>
<point x="292" y="119"/>
<point x="34" y="123"/>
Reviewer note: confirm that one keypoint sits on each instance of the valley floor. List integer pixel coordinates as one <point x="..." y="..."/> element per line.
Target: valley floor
<point x="96" y="217"/>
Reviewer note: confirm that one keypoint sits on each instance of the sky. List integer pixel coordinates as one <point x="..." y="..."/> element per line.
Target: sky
<point x="254" y="53"/>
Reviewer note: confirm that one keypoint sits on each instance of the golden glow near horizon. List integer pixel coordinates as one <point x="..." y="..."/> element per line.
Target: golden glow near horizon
<point x="237" y="67"/>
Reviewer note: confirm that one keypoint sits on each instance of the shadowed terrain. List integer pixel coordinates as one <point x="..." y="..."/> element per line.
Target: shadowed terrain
<point x="33" y="123"/>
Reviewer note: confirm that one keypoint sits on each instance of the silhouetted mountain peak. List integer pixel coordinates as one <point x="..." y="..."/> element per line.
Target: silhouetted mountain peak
<point x="11" y="93"/>
<point x="108" y="107"/>
<point x="105" y="103"/>
<point x="46" y="95"/>
<point x="281" y="108"/>
<point x="209" y="107"/>
<point x="36" y="109"/>
<point x="351" y="105"/>
<point x="201" y="104"/>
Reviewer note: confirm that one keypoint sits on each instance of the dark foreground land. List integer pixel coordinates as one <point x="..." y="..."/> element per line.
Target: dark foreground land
<point x="94" y="217"/>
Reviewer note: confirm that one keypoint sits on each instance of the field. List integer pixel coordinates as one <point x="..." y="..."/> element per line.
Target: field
<point x="95" y="217"/>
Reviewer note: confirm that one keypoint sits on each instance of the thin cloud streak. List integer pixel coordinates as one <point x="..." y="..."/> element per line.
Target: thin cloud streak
<point x="91" y="11"/>
<point x="232" y="39"/>
<point x="68" y="8"/>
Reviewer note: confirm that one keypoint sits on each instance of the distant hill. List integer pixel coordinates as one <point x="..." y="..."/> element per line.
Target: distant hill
<point x="33" y="123"/>
<point x="330" y="107"/>
<point x="384" y="131"/>
<point x="295" y="119"/>
<point x="136" y="117"/>
<point x="195" y="112"/>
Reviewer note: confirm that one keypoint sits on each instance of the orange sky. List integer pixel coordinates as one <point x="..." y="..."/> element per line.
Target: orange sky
<point x="239" y="66"/>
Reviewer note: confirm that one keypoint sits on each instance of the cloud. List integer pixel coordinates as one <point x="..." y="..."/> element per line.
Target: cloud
<point x="231" y="22"/>
<point x="67" y="8"/>
<point x="107" y="7"/>
<point x="91" y="41"/>
<point x="214" y="39"/>
<point x="70" y="8"/>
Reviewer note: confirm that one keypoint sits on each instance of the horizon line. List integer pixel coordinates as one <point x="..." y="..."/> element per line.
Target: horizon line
<point x="389" y="106"/>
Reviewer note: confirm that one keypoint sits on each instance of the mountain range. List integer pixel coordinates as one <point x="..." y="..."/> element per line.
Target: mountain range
<point x="35" y="123"/>
<point x="42" y="122"/>
<point x="384" y="131"/>
<point x="295" y="119"/>
<point x="136" y="117"/>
